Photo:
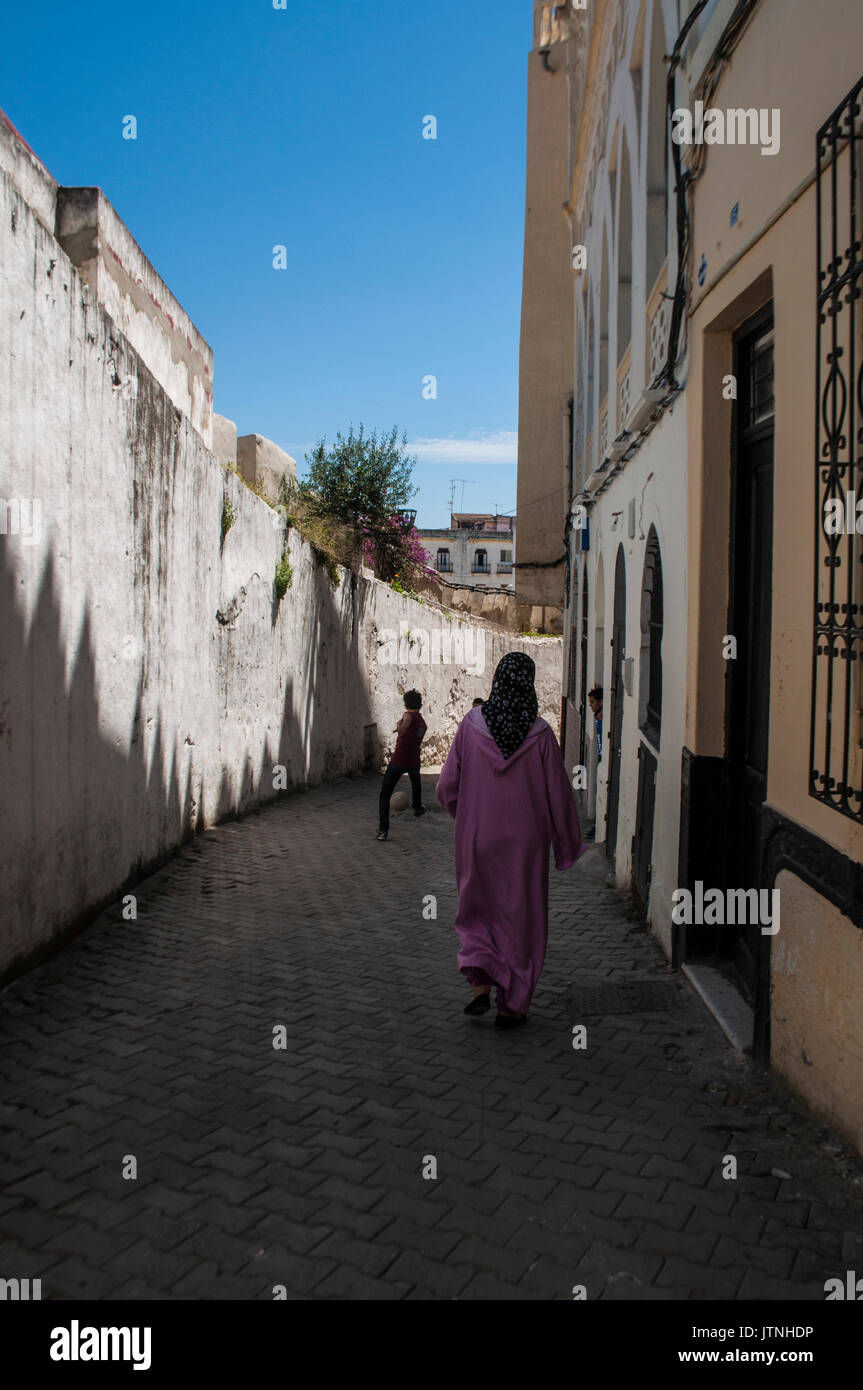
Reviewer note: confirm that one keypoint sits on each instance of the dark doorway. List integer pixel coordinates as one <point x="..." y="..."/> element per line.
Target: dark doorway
<point x="642" y="840"/>
<point x="612" y="749"/>
<point x="751" y="602"/>
<point x="649" y="718"/>
<point x="582" y="693"/>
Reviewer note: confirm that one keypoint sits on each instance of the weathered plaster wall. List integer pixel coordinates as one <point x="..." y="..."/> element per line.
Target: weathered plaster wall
<point x="150" y="683"/>
<point x="121" y="279"/>
<point x="28" y="173"/>
<point x="817" y="1004"/>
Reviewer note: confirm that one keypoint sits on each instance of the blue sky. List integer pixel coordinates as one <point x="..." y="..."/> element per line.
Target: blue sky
<point x="302" y="127"/>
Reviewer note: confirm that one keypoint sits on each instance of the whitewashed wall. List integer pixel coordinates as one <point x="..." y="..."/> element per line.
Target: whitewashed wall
<point x="149" y="680"/>
<point x="613" y="158"/>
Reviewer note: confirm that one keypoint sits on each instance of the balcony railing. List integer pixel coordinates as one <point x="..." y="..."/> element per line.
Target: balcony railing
<point x="480" y="569"/>
<point x="444" y="566"/>
<point x="504" y="567"/>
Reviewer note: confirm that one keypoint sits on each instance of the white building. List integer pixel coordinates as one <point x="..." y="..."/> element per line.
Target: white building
<point x="627" y="583"/>
<point x="476" y="550"/>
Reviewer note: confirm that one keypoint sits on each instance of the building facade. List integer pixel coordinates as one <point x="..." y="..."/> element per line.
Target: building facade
<point x="476" y="550"/>
<point x="546" y="352"/>
<point x="715" y="584"/>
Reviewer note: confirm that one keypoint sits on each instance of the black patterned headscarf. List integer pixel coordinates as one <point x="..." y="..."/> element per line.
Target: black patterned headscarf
<point x="512" y="707"/>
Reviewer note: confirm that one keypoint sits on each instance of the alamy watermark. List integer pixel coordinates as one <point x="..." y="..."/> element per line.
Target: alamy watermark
<point x="22" y="516"/>
<point x="447" y="645"/>
<point x="737" y="126"/>
<point x="721" y="907"/>
<point x="20" y="1290"/>
<point x="77" y="1343"/>
<point x="851" y="1288"/>
<point x="843" y="517"/>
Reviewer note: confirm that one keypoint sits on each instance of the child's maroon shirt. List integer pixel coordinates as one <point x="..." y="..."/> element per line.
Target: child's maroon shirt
<point x="407" y="749"/>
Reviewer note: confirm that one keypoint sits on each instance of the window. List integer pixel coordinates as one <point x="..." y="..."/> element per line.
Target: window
<point x="836" y="758"/>
<point x="757" y="405"/>
<point x="480" y="562"/>
<point x="444" y="561"/>
<point x="506" y="556"/>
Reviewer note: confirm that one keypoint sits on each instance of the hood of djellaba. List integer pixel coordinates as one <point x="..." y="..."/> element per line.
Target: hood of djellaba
<point x="486" y="742"/>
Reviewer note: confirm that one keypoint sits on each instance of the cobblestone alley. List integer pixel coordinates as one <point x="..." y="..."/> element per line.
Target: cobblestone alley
<point x="302" y="1166"/>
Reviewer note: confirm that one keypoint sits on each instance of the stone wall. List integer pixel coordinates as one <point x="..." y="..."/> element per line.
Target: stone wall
<point x="515" y="611"/>
<point x="151" y="682"/>
<point x="451" y="662"/>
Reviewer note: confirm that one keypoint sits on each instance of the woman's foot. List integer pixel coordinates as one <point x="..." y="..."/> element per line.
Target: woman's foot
<point x="381" y="835"/>
<point x="480" y="1004"/>
<point x="420" y="812"/>
<point x="509" y="1020"/>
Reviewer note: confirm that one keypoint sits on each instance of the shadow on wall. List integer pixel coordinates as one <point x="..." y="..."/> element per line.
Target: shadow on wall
<point x="87" y="814"/>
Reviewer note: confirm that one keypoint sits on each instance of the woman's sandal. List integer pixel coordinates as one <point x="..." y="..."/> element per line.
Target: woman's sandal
<point x="509" y="1020"/>
<point x="381" y="835"/>
<point x="480" y="1005"/>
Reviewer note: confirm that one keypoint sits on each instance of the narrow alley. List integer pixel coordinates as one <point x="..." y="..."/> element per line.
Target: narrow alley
<point x="153" y="1047"/>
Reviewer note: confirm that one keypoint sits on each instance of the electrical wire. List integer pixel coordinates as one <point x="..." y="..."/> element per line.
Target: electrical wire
<point x="685" y="178"/>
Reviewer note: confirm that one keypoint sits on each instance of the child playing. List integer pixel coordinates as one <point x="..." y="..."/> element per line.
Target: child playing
<point x="411" y="730"/>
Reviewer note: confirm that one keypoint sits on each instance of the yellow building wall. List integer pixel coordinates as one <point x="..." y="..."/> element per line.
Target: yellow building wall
<point x="802" y="59"/>
<point x="779" y="265"/>
<point x="817" y="1005"/>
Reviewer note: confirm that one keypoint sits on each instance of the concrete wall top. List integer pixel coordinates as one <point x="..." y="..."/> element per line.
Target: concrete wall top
<point x="262" y="462"/>
<point x="224" y="439"/>
<point x="138" y="300"/>
<point x="28" y="173"/>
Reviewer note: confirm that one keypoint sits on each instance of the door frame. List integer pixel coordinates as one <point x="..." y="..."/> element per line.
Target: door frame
<point x="614" y="739"/>
<point x="757" y="324"/>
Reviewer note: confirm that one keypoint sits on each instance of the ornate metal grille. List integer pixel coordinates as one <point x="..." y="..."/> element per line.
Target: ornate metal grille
<point x="650" y="684"/>
<point x="836" y="764"/>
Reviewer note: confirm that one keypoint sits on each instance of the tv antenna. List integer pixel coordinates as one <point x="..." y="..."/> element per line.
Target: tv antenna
<point x="452" y="487"/>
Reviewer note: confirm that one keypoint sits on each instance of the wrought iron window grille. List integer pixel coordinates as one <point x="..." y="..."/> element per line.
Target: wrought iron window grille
<point x="836" y="758"/>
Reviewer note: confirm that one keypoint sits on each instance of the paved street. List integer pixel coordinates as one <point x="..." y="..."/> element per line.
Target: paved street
<point x="302" y="1166"/>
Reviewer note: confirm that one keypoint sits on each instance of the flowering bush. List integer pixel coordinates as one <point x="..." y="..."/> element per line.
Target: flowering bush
<point x="394" y="551"/>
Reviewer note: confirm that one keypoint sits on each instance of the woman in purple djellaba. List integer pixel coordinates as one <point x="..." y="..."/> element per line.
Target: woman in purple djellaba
<point x="505" y="784"/>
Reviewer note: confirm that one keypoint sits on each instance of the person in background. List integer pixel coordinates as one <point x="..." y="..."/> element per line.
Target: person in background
<point x="594" y="699"/>
<point x="411" y="730"/>
<point x="505" y="784"/>
<point x="478" y="701"/>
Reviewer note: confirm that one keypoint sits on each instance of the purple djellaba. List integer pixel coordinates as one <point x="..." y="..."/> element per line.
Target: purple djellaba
<point x="504" y="782"/>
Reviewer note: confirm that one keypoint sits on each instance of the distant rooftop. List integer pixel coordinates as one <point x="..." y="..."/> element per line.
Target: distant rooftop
<point x="481" y="521"/>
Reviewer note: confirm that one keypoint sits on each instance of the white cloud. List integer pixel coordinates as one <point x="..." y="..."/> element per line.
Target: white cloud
<point x="480" y="446"/>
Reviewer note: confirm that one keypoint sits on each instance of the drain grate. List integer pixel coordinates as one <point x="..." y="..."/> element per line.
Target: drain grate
<point x="647" y="996"/>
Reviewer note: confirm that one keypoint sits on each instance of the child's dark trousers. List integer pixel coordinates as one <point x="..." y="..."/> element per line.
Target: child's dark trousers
<point x="388" y="786"/>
